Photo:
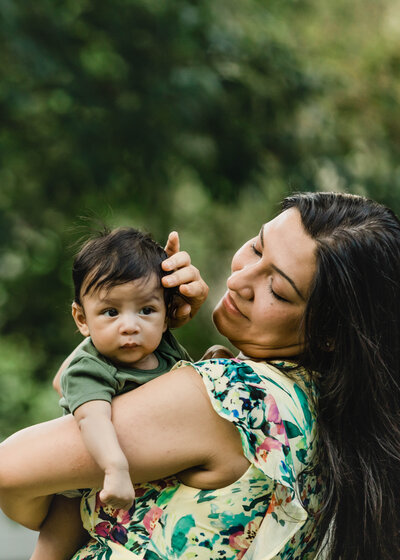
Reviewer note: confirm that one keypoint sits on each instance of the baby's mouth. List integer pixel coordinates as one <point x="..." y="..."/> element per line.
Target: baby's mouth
<point x="130" y="345"/>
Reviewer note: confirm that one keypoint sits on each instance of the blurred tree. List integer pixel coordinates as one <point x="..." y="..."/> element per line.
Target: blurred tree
<point x="350" y="131"/>
<point x="184" y="115"/>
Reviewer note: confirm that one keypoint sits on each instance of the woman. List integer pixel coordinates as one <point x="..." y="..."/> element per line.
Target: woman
<point x="313" y="306"/>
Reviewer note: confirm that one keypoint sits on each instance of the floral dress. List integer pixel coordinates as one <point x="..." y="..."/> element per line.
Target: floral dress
<point x="272" y="406"/>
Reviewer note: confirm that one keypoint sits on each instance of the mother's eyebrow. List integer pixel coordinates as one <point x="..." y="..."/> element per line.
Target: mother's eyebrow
<point x="261" y="234"/>
<point x="279" y="271"/>
<point x="291" y="282"/>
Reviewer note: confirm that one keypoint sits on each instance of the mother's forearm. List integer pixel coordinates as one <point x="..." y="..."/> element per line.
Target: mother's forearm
<point x="47" y="458"/>
<point x="164" y="427"/>
<point x="51" y="457"/>
<point x="40" y="461"/>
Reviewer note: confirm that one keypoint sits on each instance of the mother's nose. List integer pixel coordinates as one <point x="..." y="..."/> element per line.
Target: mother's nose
<point x="240" y="281"/>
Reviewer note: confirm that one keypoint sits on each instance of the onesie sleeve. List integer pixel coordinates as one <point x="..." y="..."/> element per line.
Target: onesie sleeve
<point x="87" y="379"/>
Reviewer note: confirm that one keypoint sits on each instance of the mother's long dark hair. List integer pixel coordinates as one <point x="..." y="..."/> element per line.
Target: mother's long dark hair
<point x="352" y="325"/>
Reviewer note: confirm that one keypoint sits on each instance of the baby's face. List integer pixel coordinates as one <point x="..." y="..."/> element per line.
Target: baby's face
<point x="126" y="322"/>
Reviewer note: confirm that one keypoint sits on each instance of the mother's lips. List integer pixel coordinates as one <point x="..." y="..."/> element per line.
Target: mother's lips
<point x="231" y="306"/>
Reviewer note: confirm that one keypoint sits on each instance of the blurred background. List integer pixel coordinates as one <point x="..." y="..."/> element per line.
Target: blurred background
<point x="194" y="116"/>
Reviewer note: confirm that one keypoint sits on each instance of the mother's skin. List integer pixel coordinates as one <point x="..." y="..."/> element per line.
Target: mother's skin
<point x="168" y="425"/>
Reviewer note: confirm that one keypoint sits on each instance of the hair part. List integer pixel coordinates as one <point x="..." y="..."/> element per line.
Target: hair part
<point x="354" y="306"/>
<point x="113" y="257"/>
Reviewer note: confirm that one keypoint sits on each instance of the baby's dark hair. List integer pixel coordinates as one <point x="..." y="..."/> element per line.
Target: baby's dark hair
<point x="118" y="256"/>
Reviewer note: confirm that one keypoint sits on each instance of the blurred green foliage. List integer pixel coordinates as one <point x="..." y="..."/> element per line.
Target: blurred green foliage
<point x="195" y="116"/>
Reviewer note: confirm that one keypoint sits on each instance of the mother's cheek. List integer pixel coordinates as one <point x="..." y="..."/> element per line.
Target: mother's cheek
<point x="217" y="315"/>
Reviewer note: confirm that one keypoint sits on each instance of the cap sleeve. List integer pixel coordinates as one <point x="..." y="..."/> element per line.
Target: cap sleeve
<point x="270" y="411"/>
<point x="274" y="414"/>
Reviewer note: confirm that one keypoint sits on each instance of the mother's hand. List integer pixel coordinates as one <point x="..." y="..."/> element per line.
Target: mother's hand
<point x="187" y="277"/>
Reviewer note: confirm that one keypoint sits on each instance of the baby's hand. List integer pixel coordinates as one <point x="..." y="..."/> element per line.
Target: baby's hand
<point x="118" y="491"/>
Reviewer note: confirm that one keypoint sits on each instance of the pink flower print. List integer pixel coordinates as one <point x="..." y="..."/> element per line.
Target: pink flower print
<point x="112" y="526"/>
<point x="123" y="516"/>
<point x="115" y="532"/>
<point x="274" y="417"/>
<point x="273" y="412"/>
<point x="241" y="540"/>
<point x="151" y="518"/>
<point x="103" y="529"/>
<point x="267" y="445"/>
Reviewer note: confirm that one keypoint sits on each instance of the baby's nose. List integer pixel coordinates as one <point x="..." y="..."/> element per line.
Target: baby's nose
<point x="129" y="324"/>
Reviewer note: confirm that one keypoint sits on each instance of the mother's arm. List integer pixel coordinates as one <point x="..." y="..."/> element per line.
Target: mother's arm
<point x="166" y="426"/>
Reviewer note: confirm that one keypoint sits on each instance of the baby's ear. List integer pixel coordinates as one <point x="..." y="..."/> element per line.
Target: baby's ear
<point x="80" y="319"/>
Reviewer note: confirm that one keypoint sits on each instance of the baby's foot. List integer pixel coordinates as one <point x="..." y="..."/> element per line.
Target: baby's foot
<point x="118" y="491"/>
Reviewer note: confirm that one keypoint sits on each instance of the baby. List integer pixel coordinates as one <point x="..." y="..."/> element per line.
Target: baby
<point x="122" y="309"/>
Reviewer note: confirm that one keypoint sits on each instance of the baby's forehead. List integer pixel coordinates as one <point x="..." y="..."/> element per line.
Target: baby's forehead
<point x="147" y="287"/>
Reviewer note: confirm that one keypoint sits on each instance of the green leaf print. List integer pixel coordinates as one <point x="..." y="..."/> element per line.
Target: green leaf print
<point x="182" y="528"/>
<point x="150" y="555"/>
<point x="304" y="405"/>
<point x="292" y="430"/>
<point x="301" y="454"/>
<point x="205" y="496"/>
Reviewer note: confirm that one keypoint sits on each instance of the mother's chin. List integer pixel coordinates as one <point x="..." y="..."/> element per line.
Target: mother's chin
<point x="240" y="332"/>
<point x="221" y="319"/>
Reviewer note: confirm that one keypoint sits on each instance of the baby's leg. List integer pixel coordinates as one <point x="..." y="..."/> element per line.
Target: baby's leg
<point x="62" y="533"/>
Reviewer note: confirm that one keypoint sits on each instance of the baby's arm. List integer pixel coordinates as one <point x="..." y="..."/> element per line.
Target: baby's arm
<point x="100" y="438"/>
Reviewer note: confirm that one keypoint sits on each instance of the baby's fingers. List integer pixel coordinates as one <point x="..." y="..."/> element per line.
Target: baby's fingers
<point x="116" y="502"/>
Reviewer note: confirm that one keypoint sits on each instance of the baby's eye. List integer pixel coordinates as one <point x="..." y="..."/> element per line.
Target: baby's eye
<point x="146" y="311"/>
<point x="110" y="312"/>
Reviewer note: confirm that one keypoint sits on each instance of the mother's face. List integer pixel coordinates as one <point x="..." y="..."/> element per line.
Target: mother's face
<point x="261" y="312"/>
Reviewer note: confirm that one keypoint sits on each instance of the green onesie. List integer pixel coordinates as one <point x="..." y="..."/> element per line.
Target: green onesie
<point x="91" y="377"/>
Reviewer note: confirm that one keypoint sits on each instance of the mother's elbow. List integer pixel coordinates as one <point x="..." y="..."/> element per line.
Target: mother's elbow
<point x="12" y="496"/>
<point x="8" y="482"/>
